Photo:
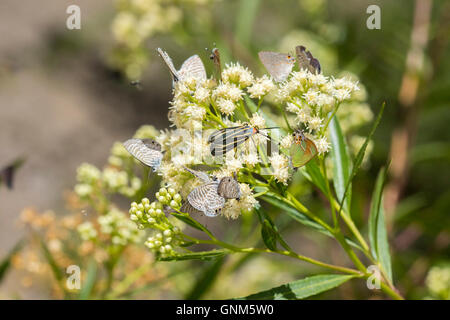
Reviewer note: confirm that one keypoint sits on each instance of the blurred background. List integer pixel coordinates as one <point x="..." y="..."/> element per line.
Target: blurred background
<point x="66" y="97"/>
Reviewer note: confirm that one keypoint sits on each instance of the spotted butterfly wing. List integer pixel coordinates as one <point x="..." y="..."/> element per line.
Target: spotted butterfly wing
<point x="147" y="151"/>
<point x="229" y="188"/>
<point x="206" y="199"/>
<point x="306" y="60"/>
<point x="279" y="65"/>
<point x="302" y="150"/>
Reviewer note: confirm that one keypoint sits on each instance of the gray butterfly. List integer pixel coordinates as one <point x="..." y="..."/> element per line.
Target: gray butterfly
<point x="306" y="60"/>
<point x="279" y="65"/>
<point x="192" y="67"/>
<point x="147" y="151"/>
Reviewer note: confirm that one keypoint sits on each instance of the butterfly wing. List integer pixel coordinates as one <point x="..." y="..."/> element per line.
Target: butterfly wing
<point x="279" y="65"/>
<point x="306" y="60"/>
<point x="188" y="208"/>
<point x="301" y="153"/>
<point x="168" y="61"/>
<point x="145" y="150"/>
<point x="206" y="199"/>
<point x="229" y="188"/>
<point x="227" y="139"/>
<point x="193" y="67"/>
<point x="199" y="174"/>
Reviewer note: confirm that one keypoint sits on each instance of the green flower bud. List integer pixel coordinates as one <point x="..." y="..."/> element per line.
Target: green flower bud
<point x="163" y="191"/>
<point x="174" y="204"/>
<point x="171" y="191"/>
<point x="177" y="198"/>
<point x="167" y="233"/>
<point x="145" y="201"/>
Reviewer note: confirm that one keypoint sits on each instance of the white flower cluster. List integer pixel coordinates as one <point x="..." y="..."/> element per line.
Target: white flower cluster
<point x="122" y="231"/>
<point x="113" y="224"/>
<point x="87" y="231"/>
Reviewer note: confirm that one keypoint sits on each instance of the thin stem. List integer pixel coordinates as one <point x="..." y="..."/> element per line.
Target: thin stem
<point x="330" y="197"/>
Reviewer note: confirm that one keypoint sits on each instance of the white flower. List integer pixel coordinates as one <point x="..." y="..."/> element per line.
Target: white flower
<point x="195" y="112"/>
<point x="261" y="87"/>
<point x="228" y="91"/>
<point x="257" y="121"/>
<point x="317" y="79"/>
<point x="236" y="73"/>
<point x="341" y="94"/>
<point x="233" y="164"/>
<point x="251" y="159"/>
<point x="323" y="146"/>
<point x="226" y="106"/>
<point x="287" y="141"/>
<point x="314" y="123"/>
<point x="202" y="94"/>
<point x="311" y="96"/>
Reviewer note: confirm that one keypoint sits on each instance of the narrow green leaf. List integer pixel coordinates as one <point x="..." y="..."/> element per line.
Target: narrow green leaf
<point x="311" y="171"/>
<point x="377" y="227"/>
<point x="360" y="156"/>
<point x="89" y="283"/>
<point x="301" y="289"/>
<point x="206" y="280"/>
<point x="342" y="165"/>
<point x="300" y="217"/>
<point x="204" y="255"/>
<point x="268" y="235"/>
<point x="245" y="18"/>
<point x="57" y="271"/>
<point x="6" y="262"/>
<point x="188" y="220"/>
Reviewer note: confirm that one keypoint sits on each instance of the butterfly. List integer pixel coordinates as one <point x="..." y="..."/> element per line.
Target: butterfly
<point x="279" y="65"/>
<point x="7" y="173"/>
<point x="147" y="151"/>
<point x="302" y="150"/>
<point x="306" y="60"/>
<point x="192" y="67"/>
<point x="226" y="139"/>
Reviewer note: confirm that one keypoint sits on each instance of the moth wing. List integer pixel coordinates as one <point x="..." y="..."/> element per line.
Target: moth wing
<point x="279" y="65"/>
<point x="229" y="138"/>
<point x="302" y="154"/>
<point x="193" y="67"/>
<point x="142" y="152"/>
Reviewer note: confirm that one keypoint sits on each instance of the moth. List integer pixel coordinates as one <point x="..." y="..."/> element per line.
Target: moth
<point x="226" y="139"/>
<point x="191" y="67"/>
<point x="306" y="60"/>
<point x="147" y="151"/>
<point x="302" y="150"/>
<point x="279" y="65"/>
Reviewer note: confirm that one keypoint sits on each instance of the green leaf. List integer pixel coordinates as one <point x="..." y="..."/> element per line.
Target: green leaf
<point x="377" y="227"/>
<point x="57" y="270"/>
<point x="206" y="280"/>
<point x="6" y="262"/>
<point x="277" y="201"/>
<point x="311" y="171"/>
<point x="204" y="255"/>
<point x="360" y="156"/>
<point x="303" y="288"/>
<point x="245" y="18"/>
<point x="188" y="220"/>
<point x="89" y="283"/>
<point x="342" y="165"/>
<point x="269" y="235"/>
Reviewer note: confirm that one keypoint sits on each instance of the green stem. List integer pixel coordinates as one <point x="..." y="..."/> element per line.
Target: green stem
<point x="328" y="189"/>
